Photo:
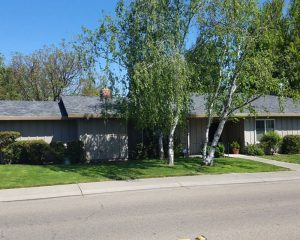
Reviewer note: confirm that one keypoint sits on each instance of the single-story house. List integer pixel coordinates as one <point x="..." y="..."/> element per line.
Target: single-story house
<point x="72" y="118"/>
<point x="246" y="128"/>
<point x="111" y="137"/>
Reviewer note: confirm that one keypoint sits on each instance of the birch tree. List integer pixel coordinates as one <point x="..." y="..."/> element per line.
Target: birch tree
<point x="146" y="41"/>
<point x="236" y="44"/>
<point x="161" y="94"/>
<point x="160" y="85"/>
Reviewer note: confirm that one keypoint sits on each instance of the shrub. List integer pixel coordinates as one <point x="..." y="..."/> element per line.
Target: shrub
<point x="75" y="152"/>
<point x="140" y="152"/>
<point x="219" y="151"/>
<point x="145" y="150"/>
<point x="291" y="144"/>
<point x="7" y="138"/>
<point x="33" y="152"/>
<point x="59" y="151"/>
<point x="271" y="142"/>
<point x="38" y="152"/>
<point x="178" y="150"/>
<point x="151" y="150"/>
<point x="13" y="153"/>
<point x="254" y="150"/>
<point x="235" y="145"/>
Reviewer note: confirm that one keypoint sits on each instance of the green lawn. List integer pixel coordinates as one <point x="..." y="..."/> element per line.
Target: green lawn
<point x="14" y="176"/>
<point x="291" y="158"/>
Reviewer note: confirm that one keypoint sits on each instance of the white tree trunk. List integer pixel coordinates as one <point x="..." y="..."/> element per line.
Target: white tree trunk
<point x="210" y="114"/>
<point x="161" y="145"/>
<point x="210" y="158"/>
<point x="225" y="112"/>
<point x="171" y="142"/>
<point x="206" y="138"/>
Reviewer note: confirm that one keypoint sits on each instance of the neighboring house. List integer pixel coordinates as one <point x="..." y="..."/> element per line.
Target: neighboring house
<point x="72" y="118"/>
<point x="246" y="129"/>
<point x="111" y="138"/>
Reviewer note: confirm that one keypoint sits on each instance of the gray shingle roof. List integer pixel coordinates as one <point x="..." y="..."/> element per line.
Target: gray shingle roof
<point x="198" y="105"/>
<point x="271" y="104"/>
<point x="84" y="106"/>
<point x="268" y="105"/>
<point x="29" y="109"/>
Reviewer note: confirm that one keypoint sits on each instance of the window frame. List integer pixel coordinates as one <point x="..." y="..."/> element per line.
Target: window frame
<point x="265" y="126"/>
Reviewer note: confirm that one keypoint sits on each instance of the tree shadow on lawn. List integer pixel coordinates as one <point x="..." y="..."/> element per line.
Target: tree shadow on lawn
<point x="113" y="171"/>
<point x="98" y="171"/>
<point x="135" y="169"/>
<point x="132" y="169"/>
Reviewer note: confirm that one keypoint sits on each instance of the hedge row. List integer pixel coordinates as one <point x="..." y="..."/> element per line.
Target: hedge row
<point x="291" y="144"/>
<point x="28" y="152"/>
<point x="272" y="143"/>
<point x="73" y="151"/>
<point x="254" y="150"/>
<point x="38" y="151"/>
<point x="7" y="138"/>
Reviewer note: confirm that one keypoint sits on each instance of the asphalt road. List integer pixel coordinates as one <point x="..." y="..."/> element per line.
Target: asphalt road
<point x="235" y="212"/>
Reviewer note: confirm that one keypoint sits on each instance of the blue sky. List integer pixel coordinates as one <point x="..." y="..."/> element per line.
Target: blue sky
<point x="27" y="25"/>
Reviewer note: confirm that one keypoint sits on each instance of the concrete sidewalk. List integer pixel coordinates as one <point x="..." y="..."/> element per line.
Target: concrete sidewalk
<point x="83" y="189"/>
<point x="292" y="166"/>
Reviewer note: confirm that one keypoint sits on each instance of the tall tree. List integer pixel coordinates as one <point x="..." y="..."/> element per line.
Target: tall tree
<point x="147" y="40"/>
<point x="233" y="56"/>
<point x="89" y="88"/>
<point x="285" y="28"/>
<point x="62" y="68"/>
<point x="27" y="73"/>
<point x="292" y="50"/>
<point x="160" y="95"/>
<point x="2" y="66"/>
<point x="47" y="73"/>
<point x="8" y="88"/>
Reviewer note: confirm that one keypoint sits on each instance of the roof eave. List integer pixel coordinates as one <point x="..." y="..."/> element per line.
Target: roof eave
<point x="91" y="116"/>
<point x="267" y="114"/>
<point x="30" y="118"/>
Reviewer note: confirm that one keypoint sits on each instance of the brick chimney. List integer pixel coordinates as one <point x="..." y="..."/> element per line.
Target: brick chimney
<point x="105" y="93"/>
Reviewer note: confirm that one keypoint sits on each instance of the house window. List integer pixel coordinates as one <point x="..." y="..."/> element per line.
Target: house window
<point x="263" y="126"/>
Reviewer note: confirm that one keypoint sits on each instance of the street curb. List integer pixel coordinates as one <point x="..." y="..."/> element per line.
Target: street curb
<point x="94" y="188"/>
